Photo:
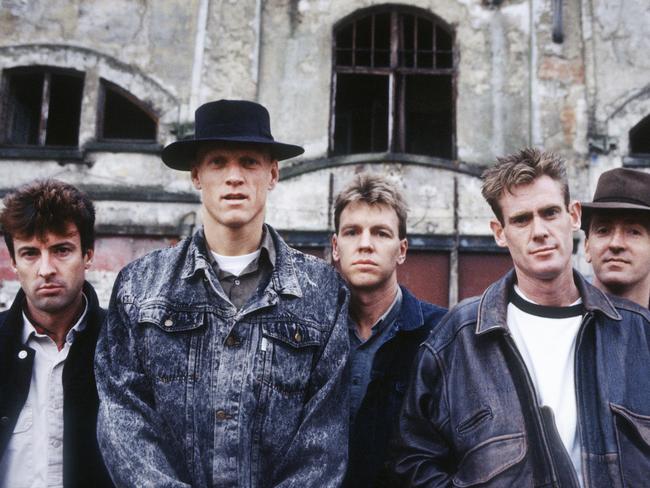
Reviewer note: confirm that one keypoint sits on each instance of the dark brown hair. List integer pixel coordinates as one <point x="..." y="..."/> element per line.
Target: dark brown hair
<point x="372" y="189"/>
<point x="522" y="168"/>
<point x="47" y="206"/>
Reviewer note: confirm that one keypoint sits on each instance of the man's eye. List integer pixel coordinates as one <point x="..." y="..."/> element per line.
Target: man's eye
<point x="63" y="251"/>
<point x="551" y="212"/>
<point x="349" y="232"/>
<point x="28" y="254"/>
<point x="601" y="230"/>
<point x="250" y="163"/>
<point x="522" y="219"/>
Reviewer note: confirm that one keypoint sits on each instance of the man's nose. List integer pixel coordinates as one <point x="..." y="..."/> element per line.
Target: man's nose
<point x="46" y="266"/>
<point x="617" y="241"/>
<point x="365" y="240"/>
<point x="234" y="174"/>
<point x="539" y="228"/>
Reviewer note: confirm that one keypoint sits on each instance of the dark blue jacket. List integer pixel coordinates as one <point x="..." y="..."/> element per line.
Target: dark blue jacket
<point x="471" y="418"/>
<point x="196" y="392"/>
<point x="82" y="462"/>
<point x="375" y="424"/>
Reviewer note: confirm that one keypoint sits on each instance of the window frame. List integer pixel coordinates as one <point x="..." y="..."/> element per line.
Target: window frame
<point x="396" y="74"/>
<point x="105" y="85"/>
<point x="6" y="106"/>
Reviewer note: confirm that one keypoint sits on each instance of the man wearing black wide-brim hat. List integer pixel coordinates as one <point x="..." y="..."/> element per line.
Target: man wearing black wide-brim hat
<point x="617" y="228"/>
<point x="223" y="359"/>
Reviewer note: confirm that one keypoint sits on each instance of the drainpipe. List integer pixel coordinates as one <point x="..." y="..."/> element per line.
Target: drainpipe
<point x="197" y="67"/>
<point x="534" y="130"/>
<point x="257" y="58"/>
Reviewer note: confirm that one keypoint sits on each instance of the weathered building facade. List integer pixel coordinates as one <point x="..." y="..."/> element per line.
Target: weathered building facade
<point x="426" y="91"/>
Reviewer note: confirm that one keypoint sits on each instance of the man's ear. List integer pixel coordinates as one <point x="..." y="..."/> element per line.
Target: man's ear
<point x="575" y="211"/>
<point x="88" y="257"/>
<point x="497" y="231"/>
<point x="275" y="174"/>
<point x="194" y="173"/>
<point x="587" y="252"/>
<point x="336" y="257"/>
<point x="403" y="247"/>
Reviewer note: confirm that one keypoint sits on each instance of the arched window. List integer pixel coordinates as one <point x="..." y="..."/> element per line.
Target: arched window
<point x="393" y="83"/>
<point x="122" y="117"/>
<point x="640" y="138"/>
<point x="42" y="106"/>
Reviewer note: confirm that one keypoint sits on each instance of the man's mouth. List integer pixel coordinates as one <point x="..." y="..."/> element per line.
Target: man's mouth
<point x="49" y="288"/>
<point x="364" y="262"/>
<point x="234" y="196"/>
<point x="543" y="250"/>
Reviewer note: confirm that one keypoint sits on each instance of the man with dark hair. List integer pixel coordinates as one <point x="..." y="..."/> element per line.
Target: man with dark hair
<point x="48" y="397"/>
<point x="223" y="359"/>
<point x="387" y="323"/>
<point x="543" y="380"/>
<point x="617" y="229"/>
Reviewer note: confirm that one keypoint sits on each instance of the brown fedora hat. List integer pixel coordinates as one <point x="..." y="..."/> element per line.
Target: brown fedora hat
<point x="618" y="189"/>
<point x="229" y="121"/>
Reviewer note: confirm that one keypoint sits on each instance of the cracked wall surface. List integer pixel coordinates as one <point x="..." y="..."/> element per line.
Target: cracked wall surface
<point x="514" y="87"/>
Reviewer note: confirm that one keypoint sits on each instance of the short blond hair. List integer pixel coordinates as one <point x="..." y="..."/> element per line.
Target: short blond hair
<point x="522" y="168"/>
<point x="372" y="189"/>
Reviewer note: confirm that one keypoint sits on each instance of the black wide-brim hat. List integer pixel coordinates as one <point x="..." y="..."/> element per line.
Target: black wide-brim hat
<point x="234" y="121"/>
<point x="618" y="189"/>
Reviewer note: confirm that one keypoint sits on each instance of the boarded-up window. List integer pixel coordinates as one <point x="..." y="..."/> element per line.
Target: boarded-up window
<point x="393" y="84"/>
<point x="42" y="106"/>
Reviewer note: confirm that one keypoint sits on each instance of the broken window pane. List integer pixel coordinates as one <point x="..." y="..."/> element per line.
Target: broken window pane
<point x="124" y="119"/>
<point x="361" y="119"/>
<point x="640" y="137"/>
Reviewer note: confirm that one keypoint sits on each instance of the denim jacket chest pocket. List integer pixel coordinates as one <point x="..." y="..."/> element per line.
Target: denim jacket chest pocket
<point x="290" y="348"/>
<point x="172" y="336"/>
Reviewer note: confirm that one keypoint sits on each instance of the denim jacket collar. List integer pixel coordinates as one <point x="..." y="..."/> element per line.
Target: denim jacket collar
<point x="283" y="278"/>
<point x="492" y="311"/>
<point x="410" y="316"/>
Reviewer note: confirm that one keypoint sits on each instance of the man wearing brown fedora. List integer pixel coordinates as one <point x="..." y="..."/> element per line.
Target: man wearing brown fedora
<point x="223" y="360"/>
<point x="617" y="229"/>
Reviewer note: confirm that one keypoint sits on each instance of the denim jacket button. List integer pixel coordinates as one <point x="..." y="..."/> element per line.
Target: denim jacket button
<point x="221" y="415"/>
<point x="298" y="336"/>
<point x="231" y="341"/>
<point x="22" y="354"/>
<point x="169" y="323"/>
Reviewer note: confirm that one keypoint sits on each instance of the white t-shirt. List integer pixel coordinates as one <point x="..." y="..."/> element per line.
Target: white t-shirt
<point x="235" y="264"/>
<point x="546" y="339"/>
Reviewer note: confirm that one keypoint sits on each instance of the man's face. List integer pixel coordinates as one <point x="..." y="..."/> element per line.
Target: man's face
<point x="367" y="247"/>
<point x="618" y="248"/>
<point x="234" y="183"/>
<point x="51" y="271"/>
<point x="537" y="229"/>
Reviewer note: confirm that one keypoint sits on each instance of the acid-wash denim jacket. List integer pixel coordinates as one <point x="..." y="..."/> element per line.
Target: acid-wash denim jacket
<point x="470" y="417"/>
<point x="197" y="393"/>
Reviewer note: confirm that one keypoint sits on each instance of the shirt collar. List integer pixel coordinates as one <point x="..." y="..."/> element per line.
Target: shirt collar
<point x="387" y="318"/>
<point x="29" y="330"/>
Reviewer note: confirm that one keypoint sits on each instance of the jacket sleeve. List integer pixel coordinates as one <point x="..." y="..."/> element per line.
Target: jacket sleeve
<point x="423" y="456"/>
<point x="137" y="449"/>
<point x="318" y="452"/>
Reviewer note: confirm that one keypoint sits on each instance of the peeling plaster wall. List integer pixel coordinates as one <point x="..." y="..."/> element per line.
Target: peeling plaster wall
<point x="514" y="86"/>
